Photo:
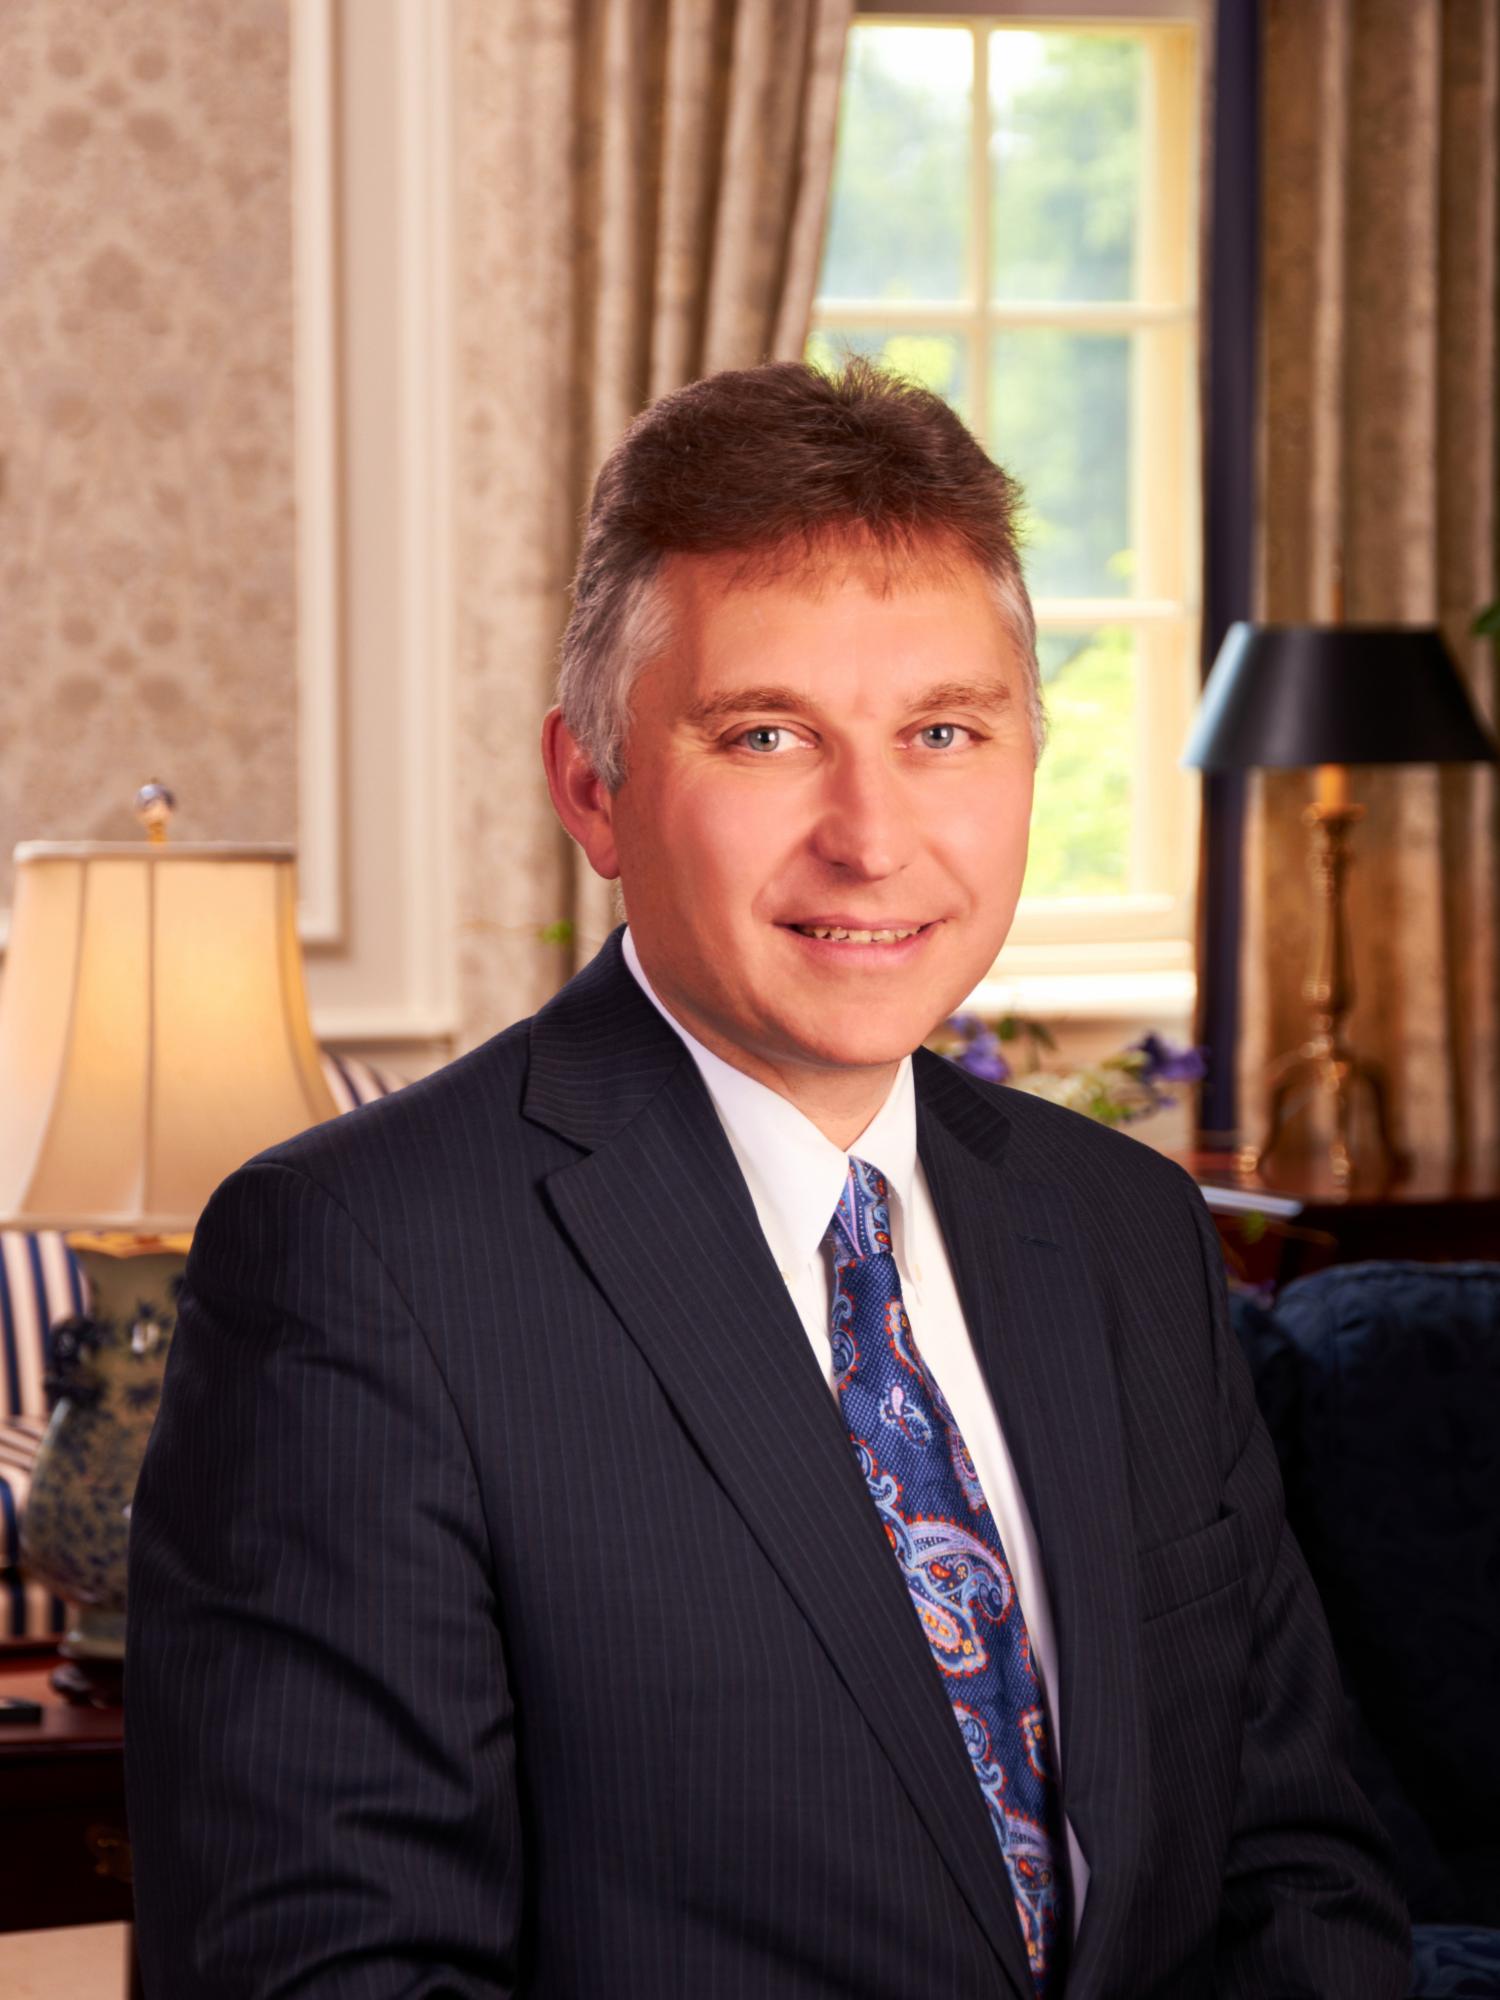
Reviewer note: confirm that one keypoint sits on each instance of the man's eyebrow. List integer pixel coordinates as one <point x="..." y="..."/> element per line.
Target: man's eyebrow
<point x="736" y="701"/>
<point x="993" y="694"/>
<point x="989" y="694"/>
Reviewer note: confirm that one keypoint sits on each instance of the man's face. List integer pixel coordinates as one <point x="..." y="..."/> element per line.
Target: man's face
<point x="841" y="750"/>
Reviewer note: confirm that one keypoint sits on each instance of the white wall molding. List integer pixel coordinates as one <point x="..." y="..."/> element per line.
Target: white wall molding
<point x="386" y="974"/>
<point x="315" y="282"/>
<point x="426" y="416"/>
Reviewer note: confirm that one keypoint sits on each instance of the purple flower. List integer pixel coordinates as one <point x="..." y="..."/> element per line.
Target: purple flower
<point x="983" y="1058"/>
<point x="1164" y="1064"/>
<point x="981" y="1054"/>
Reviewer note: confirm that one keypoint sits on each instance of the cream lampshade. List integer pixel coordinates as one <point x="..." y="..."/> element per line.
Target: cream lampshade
<point x="153" y="1031"/>
<point x="153" y="1036"/>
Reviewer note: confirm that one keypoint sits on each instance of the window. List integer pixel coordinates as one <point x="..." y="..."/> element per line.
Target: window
<point x="1013" y="222"/>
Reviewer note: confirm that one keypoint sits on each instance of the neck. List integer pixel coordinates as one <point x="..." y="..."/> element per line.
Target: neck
<point x="840" y="1102"/>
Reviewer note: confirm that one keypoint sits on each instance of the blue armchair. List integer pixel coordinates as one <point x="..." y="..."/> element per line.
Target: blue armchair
<point x="1380" y="1385"/>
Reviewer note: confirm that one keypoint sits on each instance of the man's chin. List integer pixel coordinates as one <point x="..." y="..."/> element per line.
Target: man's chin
<point x="867" y="1029"/>
<point x="857" y="1043"/>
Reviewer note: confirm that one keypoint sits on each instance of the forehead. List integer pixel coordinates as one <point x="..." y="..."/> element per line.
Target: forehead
<point x="835" y="605"/>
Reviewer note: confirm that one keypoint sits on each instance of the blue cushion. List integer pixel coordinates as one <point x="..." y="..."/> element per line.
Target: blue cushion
<point x="1454" y="1958"/>
<point x="40" y="1283"/>
<point x="1429" y="1885"/>
<point x="1392" y="1464"/>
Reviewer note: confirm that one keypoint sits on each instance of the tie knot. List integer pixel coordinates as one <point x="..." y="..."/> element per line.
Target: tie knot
<point x="861" y="1225"/>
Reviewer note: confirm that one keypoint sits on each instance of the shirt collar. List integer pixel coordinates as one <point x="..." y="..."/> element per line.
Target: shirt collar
<point x="795" y="1174"/>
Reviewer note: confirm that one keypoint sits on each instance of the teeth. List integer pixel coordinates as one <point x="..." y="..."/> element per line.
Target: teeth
<point x="837" y="936"/>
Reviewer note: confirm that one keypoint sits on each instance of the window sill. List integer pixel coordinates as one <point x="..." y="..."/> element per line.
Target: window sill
<point x="1159" y="997"/>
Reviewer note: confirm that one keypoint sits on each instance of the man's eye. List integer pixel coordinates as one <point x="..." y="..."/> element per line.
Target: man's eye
<point x="765" y="738"/>
<point x="941" y="735"/>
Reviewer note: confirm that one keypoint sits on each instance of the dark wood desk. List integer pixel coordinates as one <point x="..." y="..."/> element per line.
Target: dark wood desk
<point x="64" y="1851"/>
<point x="1436" y="1213"/>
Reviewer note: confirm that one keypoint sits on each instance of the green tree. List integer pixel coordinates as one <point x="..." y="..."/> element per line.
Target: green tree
<point x="1080" y="825"/>
<point x="899" y="207"/>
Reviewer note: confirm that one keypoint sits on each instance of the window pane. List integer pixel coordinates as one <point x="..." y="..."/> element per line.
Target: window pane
<point x="1080" y="825"/>
<point x="899" y="213"/>
<point x="936" y="360"/>
<point x="1065" y="164"/>
<point x="1060" y="423"/>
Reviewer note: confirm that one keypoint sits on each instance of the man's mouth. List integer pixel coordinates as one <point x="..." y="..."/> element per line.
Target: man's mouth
<point x="846" y="934"/>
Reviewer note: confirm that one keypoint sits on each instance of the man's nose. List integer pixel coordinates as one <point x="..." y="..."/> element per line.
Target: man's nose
<point x="865" y="826"/>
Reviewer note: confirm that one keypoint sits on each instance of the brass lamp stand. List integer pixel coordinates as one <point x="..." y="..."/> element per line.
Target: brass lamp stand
<point x="1325" y="1066"/>
<point x="1290" y="697"/>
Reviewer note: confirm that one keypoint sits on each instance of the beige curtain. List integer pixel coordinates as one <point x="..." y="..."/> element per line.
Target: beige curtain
<point x="1382" y="167"/>
<point x="640" y="193"/>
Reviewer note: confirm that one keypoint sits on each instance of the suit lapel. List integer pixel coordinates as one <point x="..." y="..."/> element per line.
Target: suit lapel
<point x="1042" y="1332"/>
<point x="659" y="1212"/>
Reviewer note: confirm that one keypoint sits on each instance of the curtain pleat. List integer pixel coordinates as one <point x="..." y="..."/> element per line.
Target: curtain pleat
<point x="1381" y="163"/>
<point x="641" y="189"/>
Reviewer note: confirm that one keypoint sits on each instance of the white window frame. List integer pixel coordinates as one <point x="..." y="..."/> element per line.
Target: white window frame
<point x="1127" y="956"/>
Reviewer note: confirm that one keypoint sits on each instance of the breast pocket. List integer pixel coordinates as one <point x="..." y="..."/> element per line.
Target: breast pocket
<point x="1178" y="1573"/>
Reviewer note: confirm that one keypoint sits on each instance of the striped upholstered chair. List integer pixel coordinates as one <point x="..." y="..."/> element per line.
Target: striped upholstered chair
<point x="40" y="1283"/>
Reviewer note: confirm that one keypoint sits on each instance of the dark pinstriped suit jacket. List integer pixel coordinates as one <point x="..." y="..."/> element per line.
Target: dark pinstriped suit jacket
<point x="508" y="1616"/>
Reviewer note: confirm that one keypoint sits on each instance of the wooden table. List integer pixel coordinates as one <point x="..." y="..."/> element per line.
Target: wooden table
<point x="64" y="1850"/>
<point x="1436" y="1213"/>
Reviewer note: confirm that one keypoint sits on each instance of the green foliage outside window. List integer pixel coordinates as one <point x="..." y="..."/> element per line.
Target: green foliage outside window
<point x="1066" y="163"/>
<point x="1080" y="824"/>
<point x="899" y="214"/>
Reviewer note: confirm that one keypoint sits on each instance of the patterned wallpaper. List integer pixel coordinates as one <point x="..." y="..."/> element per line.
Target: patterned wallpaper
<point x="147" y="587"/>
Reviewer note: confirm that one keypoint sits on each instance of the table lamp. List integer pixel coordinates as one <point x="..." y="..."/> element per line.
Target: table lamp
<point x="1282" y="696"/>
<point x="153" y="1035"/>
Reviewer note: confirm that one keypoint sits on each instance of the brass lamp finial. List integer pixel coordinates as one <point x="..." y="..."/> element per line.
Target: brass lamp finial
<point x="154" y="807"/>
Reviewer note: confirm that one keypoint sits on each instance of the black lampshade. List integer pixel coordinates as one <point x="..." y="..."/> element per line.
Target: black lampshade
<point x="1335" y="694"/>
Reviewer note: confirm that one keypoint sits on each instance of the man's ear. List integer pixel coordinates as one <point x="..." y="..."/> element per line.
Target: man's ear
<point x="579" y="798"/>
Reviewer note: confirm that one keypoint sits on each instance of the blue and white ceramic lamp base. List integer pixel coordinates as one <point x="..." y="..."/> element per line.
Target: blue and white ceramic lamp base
<point x="105" y="1382"/>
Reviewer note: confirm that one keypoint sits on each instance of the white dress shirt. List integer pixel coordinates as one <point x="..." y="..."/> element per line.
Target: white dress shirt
<point x="795" y="1176"/>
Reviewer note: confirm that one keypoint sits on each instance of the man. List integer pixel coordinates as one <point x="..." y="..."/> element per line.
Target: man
<point x="696" y="1498"/>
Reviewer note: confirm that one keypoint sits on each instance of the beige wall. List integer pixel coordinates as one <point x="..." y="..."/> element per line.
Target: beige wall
<point x="147" y="600"/>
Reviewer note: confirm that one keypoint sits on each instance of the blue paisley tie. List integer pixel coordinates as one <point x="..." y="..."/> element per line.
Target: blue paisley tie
<point x="939" y="1525"/>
